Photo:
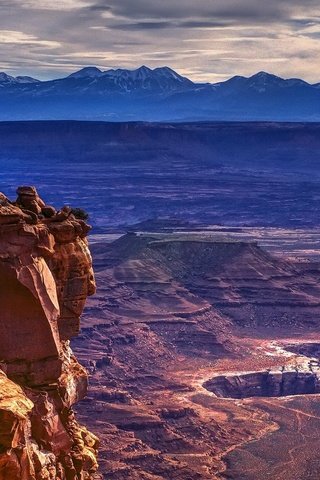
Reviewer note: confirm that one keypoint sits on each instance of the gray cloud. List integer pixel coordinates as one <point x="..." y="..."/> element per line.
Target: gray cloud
<point x="205" y="39"/>
<point x="142" y="25"/>
<point x="245" y="10"/>
<point x="151" y="25"/>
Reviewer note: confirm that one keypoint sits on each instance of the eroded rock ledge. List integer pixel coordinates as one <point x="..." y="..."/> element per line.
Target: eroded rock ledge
<point x="275" y="383"/>
<point x="45" y="277"/>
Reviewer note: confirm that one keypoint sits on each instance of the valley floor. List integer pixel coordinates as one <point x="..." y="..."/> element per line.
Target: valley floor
<point x="175" y="311"/>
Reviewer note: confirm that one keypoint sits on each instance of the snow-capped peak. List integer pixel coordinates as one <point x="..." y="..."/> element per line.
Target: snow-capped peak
<point x="160" y="75"/>
<point x="264" y="77"/>
<point x="170" y="74"/>
<point x="26" y="79"/>
<point x="5" y="78"/>
<point x="143" y="71"/>
<point x="140" y="73"/>
<point x="91" y="72"/>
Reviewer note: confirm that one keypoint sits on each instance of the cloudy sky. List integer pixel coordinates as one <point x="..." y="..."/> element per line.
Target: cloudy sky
<point x="207" y="40"/>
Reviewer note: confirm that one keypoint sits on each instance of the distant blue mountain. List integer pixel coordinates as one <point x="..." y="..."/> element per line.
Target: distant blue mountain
<point x="157" y="95"/>
<point x="6" y="80"/>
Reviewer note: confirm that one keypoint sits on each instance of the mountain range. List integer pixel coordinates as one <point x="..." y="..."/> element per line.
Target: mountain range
<point x="160" y="94"/>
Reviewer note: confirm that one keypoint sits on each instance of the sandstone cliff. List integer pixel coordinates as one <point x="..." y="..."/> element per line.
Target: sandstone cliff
<point x="45" y="277"/>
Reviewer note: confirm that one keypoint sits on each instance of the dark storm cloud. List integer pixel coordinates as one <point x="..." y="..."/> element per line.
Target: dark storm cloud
<point x="203" y="24"/>
<point x="99" y="8"/>
<point x="250" y="10"/>
<point x="167" y="24"/>
<point x="142" y="25"/>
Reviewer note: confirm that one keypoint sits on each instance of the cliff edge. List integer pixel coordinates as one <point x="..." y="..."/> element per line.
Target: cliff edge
<point x="45" y="277"/>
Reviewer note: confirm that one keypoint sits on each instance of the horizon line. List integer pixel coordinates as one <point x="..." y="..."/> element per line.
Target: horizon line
<point x="101" y="69"/>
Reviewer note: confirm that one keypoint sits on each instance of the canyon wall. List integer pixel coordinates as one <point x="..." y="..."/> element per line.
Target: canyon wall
<point x="277" y="383"/>
<point x="45" y="277"/>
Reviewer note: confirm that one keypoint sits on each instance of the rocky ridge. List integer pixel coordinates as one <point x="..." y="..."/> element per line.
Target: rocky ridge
<point x="45" y="277"/>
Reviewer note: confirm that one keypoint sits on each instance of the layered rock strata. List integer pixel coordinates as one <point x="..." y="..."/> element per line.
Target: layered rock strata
<point x="45" y="277"/>
<point x="275" y="383"/>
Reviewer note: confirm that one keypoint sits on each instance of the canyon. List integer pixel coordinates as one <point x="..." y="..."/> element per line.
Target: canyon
<point x="205" y="247"/>
<point x="201" y="348"/>
<point x="277" y="383"/>
<point x="204" y="354"/>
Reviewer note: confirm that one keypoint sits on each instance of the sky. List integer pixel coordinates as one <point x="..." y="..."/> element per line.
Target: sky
<point x="206" y="40"/>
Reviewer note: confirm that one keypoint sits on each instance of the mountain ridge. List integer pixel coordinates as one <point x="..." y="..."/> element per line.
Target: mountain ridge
<point x="159" y="94"/>
<point x="93" y="71"/>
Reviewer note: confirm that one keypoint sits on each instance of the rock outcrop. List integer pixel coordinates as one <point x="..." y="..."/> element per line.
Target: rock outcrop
<point x="276" y="383"/>
<point x="45" y="277"/>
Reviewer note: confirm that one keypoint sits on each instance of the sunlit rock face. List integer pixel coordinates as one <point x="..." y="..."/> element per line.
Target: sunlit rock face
<point x="45" y="277"/>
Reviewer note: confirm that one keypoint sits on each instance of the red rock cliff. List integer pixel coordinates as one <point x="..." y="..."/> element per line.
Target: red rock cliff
<point x="45" y="277"/>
